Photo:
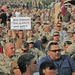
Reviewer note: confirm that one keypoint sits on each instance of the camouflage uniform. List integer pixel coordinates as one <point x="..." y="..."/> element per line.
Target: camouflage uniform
<point x="39" y="54"/>
<point x="5" y="62"/>
<point x="71" y="50"/>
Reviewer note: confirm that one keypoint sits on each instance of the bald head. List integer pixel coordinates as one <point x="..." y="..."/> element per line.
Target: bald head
<point x="9" y="49"/>
<point x="7" y="45"/>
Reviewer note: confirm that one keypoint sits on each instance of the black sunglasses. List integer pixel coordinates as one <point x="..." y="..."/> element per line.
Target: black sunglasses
<point x="31" y="43"/>
<point x="59" y="50"/>
<point x="55" y="35"/>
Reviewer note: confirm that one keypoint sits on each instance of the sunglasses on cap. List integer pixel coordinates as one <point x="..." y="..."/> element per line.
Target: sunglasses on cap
<point x="58" y="50"/>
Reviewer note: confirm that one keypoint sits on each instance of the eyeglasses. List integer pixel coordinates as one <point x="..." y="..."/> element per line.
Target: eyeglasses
<point x="58" y="50"/>
<point x="31" y="43"/>
<point x="55" y="35"/>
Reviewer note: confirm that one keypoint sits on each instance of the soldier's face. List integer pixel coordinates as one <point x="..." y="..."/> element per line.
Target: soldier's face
<point x="31" y="45"/>
<point x="58" y="27"/>
<point x="20" y="34"/>
<point x="11" y="50"/>
<point x="56" y="37"/>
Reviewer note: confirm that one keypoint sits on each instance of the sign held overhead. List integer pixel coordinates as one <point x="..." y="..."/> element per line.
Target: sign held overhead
<point x="20" y="23"/>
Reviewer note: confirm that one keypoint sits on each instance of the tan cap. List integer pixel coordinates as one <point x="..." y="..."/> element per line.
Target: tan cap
<point x="73" y="8"/>
<point x="46" y="26"/>
<point x="70" y="30"/>
<point x="30" y="40"/>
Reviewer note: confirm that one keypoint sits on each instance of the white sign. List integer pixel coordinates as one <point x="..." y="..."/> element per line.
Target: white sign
<point x="20" y="23"/>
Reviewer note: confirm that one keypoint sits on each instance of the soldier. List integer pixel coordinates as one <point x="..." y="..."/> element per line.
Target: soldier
<point x="73" y="12"/>
<point x="7" y="57"/>
<point x="66" y="45"/>
<point x="19" y="38"/>
<point x="46" y="32"/>
<point x="70" y="35"/>
<point x="8" y="37"/>
<point x="2" y="33"/>
<point x="24" y="49"/>
<point x="72" y="23"/>
<point x="34" y="50"/>
<point x="58" y="28"/>
<point x="71" y="48"/>
<point x="66" y="17"/>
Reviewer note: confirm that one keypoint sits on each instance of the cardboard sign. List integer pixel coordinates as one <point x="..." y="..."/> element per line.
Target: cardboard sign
<point x="20" y="23"/>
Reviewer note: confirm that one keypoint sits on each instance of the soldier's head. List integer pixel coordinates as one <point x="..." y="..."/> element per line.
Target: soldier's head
<point x="20" y="33"/>
<point x="67" y="44"/>
<point x="31" y="42"/>
<point x="25" y="46"/>
<point x="38" y="24"/>
<point x="70" y="31"/>
<point x="9" y="49"/>
<point x="9" y="32"/>
<point x="72" y="20"/>
<point x="58" y="26"/>
<point x="56" y="36"/>
<point x="27" y="63"/>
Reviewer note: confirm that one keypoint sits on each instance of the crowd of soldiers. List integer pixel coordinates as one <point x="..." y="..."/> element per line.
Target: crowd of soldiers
<point x="44" y="30"/>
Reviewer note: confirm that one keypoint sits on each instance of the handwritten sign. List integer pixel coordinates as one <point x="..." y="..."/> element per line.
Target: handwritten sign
<point x="20" y="23"/>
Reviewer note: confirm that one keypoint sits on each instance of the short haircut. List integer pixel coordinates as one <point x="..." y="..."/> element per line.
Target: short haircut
<point x="25" y="44"/>
<point x="45" y="65"/>
<point x="56" y="32"/>
<point x="52" y="43"/>
<point x="67" y="42"/>
<point x="24" y="60"/>
<point x="38" y="23"/>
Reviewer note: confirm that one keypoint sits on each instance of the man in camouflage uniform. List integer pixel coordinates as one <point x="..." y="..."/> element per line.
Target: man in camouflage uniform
<point x="34" y="50"/>
<point x="2" y="33"/>
<point x="71" y="48"/>
<point x="73" y="12"/>
<point x="7" y="57"/>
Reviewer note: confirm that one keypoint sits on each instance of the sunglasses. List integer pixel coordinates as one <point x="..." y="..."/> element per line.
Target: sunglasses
<point x="31" y="43"/>
<point x="58" y="50"/>
<point x="55" y="35"/>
